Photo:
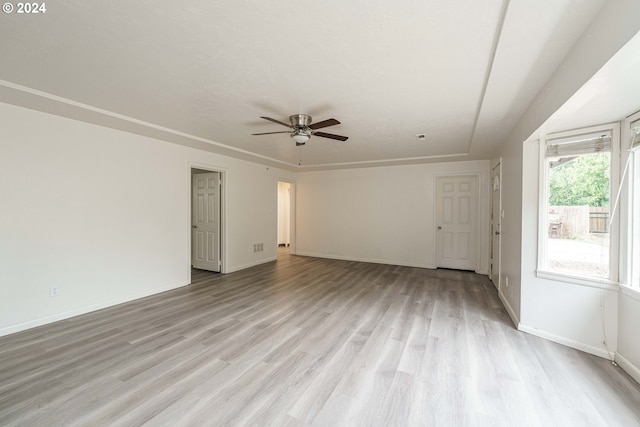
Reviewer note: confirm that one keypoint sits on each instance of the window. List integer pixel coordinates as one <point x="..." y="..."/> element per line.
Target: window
<point x="634" y="173"/>
<point x="576" y="235"/>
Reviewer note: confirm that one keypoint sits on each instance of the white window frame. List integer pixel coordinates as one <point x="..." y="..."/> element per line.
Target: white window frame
<point x="613" y="280"/>
<point x="630" y="238"/>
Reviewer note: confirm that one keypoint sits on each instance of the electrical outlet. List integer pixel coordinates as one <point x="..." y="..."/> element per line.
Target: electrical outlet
<point x="54" y="290"/>
<point x="258" y="247"/>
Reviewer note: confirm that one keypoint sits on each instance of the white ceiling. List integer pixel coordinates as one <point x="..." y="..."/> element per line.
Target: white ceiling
<point x="202" y="72"/>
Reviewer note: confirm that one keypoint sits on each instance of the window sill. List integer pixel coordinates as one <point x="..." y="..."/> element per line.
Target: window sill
<point x="631" y="292"/>
<point x="577" y="280"/>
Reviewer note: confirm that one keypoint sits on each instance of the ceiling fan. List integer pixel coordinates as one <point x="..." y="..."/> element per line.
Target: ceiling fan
<point x="302" y="128"/>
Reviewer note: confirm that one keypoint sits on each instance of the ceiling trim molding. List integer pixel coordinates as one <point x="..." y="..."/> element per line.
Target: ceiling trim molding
<point x="377" y="163"/>
<point x="487" y="76"/>
<point x="155" y="131"/>
<point x="241" y="154"/>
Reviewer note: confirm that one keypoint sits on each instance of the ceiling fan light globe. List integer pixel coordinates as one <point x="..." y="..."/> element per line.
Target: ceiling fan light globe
<point x="300" y="138"/>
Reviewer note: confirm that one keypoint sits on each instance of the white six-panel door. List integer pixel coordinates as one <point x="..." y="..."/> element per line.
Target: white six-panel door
<point x="205" y="237"/>
<point x="456" y="221"/>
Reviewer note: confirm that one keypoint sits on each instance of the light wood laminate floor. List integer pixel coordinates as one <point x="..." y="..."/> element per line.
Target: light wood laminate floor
<point x="306" y="341"/>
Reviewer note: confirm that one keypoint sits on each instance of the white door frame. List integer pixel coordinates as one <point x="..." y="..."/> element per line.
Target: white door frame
<point x="292" y="216"/>
<point x="496" y="252"/>
<point x="223" y="213"/>
<point x="476" y="249"/>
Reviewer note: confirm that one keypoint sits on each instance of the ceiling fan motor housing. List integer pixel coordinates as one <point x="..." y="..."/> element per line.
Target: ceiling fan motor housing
<point x="300" y="121"/>
<point x="301" y="132"/>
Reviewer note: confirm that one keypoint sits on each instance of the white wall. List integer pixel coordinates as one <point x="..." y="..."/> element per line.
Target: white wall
<point x="383" y="214"/>
<point x="511" y="229"/>
<point x="580" y="316"/>
<point x="103" y="214"/>
<point x="628" y="354"/>
<point x="571" y="314"/>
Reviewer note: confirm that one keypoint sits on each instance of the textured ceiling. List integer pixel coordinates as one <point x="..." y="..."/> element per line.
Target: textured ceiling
<point x="202" y="72"/>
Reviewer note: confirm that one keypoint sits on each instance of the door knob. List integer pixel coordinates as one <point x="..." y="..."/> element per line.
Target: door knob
<point x="194" y="226"/>
<point x="497" y="232"/>
<point x="439" y="228"/>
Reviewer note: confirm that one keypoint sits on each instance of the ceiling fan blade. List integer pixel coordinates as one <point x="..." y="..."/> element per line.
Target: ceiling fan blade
<point x="331" y="136"/>
<point x="276" y="121"/>
<point x="323" y="124"/>
<point x="270" y="133"/>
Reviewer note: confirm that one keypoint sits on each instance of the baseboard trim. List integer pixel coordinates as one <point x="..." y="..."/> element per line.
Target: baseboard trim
<point x="83" y="310"/>
<point x="627" y="366"/>
<point x="251" y="264"/>
<point x="368" y="260"/>
<point x="510" y="311"/>
<point x="596" y="351"/>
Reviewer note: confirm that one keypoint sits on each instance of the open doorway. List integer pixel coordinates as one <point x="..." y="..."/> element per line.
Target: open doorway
<point x="285" y="228"/>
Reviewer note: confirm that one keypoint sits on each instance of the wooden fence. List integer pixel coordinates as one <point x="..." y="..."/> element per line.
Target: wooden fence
<point x="576" y="222"/>
<point x="599" y="219"/>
